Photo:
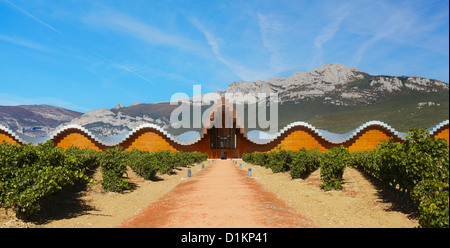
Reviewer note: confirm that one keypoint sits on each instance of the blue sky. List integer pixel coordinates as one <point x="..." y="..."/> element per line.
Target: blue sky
<point x="91" y="54"/>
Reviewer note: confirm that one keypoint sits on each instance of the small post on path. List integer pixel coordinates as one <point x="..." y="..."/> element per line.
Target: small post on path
<point x="189" y="172"/>
<point x="240" y="166"/>
<point x="203" y="165"/>
<point x="249" y="172"/>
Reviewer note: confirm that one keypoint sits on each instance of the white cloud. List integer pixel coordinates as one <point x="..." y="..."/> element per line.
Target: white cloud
<point x="270" y="29"/>
<point x="403" y="24"/>
<point x="328" y="32"/>
<point x="116" y="21"/>
<point x="213" y="42"/>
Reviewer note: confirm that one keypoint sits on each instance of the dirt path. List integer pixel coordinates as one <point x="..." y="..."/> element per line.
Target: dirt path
<point x="222" y="195"/>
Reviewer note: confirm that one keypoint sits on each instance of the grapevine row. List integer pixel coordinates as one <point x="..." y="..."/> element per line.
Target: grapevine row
<point x="418" y="167"/>
<point x="30" y="174"/>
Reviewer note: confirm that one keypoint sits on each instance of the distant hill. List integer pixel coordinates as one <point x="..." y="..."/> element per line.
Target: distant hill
<point x="402" y="111"/>
<point x="35" y="120"/>
<point x="332" y="97"/>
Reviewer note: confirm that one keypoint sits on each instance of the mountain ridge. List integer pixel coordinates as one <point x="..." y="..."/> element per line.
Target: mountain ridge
<point x="343" y="85"/>
<point x="303" y="96"/>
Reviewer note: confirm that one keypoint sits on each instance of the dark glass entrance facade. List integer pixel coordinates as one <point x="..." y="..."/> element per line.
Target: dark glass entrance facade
<point x="223" y="138"/>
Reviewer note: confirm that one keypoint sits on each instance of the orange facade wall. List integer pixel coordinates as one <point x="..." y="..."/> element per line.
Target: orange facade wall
<point x="368" y="140"/>
<point x="150" y="142"/>
<point x="444" y="134"/>
<point x="299" y="139"/>
<point x="76" y="139"/>
<point x="7" y="139"/>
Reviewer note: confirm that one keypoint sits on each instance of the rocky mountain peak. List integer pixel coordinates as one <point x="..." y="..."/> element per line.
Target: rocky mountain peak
<point x="119" y="106"/>
<point x="338" y="84"/>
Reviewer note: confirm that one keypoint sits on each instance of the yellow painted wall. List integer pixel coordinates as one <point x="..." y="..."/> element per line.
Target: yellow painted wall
<point x="9" y="140"/>
<point x="151" y="142"/>
<point x="368" y="141"/>
<point x="78" y="140"/>
<point x="299" y="139"/>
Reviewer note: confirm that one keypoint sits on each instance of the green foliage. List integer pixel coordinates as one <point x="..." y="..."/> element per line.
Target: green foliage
<point x="424" y="158"/>
<point x="279" y="161"/>
<point x="419" y="166"/>
<point x="144" y="164"/>
<point x="257" y="158"/>
<point x="389" y="171"/>
<point x="332" y="168"/>
<point x="419" y="158"/>
<point x="113" y="166"/>
<point x="304" y="162"/>
<point x="367" y="161"/>
<point x="29" y="174"/>
<point x="431" y="198"/>
<point x="147" y="164"/>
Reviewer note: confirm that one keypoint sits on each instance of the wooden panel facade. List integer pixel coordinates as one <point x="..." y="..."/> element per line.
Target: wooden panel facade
<point x="4" y="137"/>
<point x="368" y="140"/>
<point x="443" y="134"/>
<point x="76" y="139"/>
<point x="151" y="142"/>
<point x="300" y="139"/>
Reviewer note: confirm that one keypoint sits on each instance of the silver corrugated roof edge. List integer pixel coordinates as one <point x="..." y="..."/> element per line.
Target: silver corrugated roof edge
<point x="12" y="133"/>
<point x="433" y="129"/>
<point x="194" y="136"/>
<point x="333" y="137"/>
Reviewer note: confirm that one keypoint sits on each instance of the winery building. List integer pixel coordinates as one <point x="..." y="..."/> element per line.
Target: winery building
<point x="221" y="141"/>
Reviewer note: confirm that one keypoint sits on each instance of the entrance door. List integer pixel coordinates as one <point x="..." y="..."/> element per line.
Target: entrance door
<point x="223" y="155"/>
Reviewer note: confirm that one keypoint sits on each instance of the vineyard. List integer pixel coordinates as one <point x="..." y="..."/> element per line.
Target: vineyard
<point x="418" y="169"/>
<point x="30" y="174"/>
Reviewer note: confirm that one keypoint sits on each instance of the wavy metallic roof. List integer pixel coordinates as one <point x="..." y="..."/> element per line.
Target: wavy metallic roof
<point x="191" y="137"/>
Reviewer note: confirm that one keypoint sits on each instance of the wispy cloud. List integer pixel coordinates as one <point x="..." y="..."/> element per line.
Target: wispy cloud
<point x="111" y="19"/>
<point x="270" y="28"/>
<point x="393" y="25"/>
<point x="126" y="68"/>
<point x="212" y="41"/>
<point x="327" y="33"/>
<point x="214" y="44"/>
<point x="405" y="24"/>
<point x="34" y="17"/>
<point x="242" y="72"/>
<point x="26" y="43"/>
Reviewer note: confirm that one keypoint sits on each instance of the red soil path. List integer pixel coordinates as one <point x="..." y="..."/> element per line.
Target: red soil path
<point x="223" y="196"/>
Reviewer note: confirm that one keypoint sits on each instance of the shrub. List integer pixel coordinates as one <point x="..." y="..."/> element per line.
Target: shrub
<point x="166" y="161"/>
<point x="424" y="158"/>
<point x="431" y="198"/>
<point x="29" y="174"/>
<point x="366" y="161"/>
<point x="144" y="164"/>
<point x="113" y="166"/>
<point x="332" y="168"/>
<point x="304" y="162"/>
<point x="419" y="158"/>
<point x="147" y="164"/>
<point x="279" y="161"/>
